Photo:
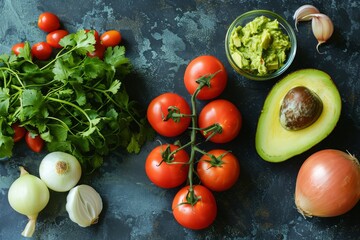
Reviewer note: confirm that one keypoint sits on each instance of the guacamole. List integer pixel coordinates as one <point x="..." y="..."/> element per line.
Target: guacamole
<point x="260" y="46"/>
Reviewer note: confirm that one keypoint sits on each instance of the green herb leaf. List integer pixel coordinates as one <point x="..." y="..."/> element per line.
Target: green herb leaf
<point x="4" y="102"/>
<point x="32" y="103"/>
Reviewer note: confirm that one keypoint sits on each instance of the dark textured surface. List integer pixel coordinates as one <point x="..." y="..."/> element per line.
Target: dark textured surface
<point x="161" y="38"/>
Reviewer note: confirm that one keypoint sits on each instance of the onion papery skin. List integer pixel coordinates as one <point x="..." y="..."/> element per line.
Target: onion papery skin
<point x="60" y="171"/>
<point x="328" y="184"/>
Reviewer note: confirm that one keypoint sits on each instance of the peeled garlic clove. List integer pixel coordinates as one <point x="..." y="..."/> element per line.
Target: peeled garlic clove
<point x="322" y="28"/>
<point x="302" y="13"/>
<point x="84" y="205"/>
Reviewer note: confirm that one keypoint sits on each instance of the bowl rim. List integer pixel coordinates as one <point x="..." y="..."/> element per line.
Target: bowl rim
<point x="284" y="25"/>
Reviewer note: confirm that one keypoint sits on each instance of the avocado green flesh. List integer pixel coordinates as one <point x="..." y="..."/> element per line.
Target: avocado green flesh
<point x="276" y="144"/>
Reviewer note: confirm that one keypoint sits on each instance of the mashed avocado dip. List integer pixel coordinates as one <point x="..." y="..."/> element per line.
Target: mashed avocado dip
<point x="260" y="46"/>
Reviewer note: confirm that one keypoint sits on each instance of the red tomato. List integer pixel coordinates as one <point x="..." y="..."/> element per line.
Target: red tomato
<point x="203" y="66"/>
<point x="158" y="110"/>
<point x="166" y="173"/>
<point x="198" y="216"/>
<point x="34" y="141"/>
<point x="48" y="22"/>
<point x="220" y="172"/>
<point x="54" y="37"/>
<point x="41" y="50"/>
<point x="110" y="38"/>
<point x="225" y="115"/>
<point x="16" y="48"/>
<point x="19" y="132"/>
<point x="96" y="34"/>
<point x="99" y="51"/>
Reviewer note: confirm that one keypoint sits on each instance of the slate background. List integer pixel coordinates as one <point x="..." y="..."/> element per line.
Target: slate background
<point x="161" y="37"/>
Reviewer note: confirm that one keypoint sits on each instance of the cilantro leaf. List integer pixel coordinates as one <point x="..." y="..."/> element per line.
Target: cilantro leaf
<point x="25" y="52"/>
<point x="32" y="103"/>
<point x="133" y="146"/>
<point x="114" y="87"/>
<point x="61" y="71"/>
<point x="116" y="57"/>
<point x="94" y="68"/>
<point x="4" y="102"/>
<point x="6" y="142"/>
<point x="82" y="41"/>
<point x="6" y="145"/>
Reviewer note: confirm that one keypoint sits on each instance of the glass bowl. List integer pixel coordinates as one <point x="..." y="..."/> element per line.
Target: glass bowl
<point x="287" y="29"/>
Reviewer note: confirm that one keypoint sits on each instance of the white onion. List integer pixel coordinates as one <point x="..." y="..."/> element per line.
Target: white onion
<point x="28" y="195"/>
<point x="60" y="171"/>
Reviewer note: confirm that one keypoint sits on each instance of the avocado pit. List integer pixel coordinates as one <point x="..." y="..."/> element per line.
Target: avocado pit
<point x="300" y="108"/>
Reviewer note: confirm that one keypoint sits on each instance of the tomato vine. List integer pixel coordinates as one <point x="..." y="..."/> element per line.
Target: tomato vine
<point x="188" y="198"/>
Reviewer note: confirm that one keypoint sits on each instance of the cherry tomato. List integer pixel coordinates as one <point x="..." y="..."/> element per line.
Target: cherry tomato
<point x="227" y="118"/>
<point x="16" y="48"/>
<point x="41" y="50"/>
<point x="158" y="110"/>
<point x="48" y="22"/>
<point x="99" y="51"/>
<point x="34" y="141"/>
<point x="203" y="66"/>
<point x="165" y="172"/>
<point x="110" y="38"/>
<point x="96" y="34"/>
<point x="198" y="216"/>
<point x="19" y="132"/>
<point x="54" y="37"/>
<point x="219" y="171"/>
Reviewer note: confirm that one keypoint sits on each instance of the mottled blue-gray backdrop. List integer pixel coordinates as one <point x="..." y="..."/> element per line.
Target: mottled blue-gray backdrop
<point x="161" y="37"/>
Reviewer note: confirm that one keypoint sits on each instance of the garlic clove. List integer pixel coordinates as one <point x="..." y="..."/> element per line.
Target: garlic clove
<point x="302" y="13"/>
<point x="322" y="28"/>
<point x="84" y="205"/>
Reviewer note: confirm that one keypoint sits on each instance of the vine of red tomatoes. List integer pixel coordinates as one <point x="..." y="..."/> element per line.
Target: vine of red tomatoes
<point x="220" y="121"/>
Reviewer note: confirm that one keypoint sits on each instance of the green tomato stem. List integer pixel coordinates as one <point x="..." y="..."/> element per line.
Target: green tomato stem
<point x="191" y="195"/>
<point x="203" y="81"/>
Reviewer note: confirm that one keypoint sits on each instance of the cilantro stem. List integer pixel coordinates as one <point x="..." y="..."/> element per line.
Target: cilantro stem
<point x="116" y="103"/>
<point x="14" y="74"/>
<point x="58" y="55"/>
<point x="62" y="123"/>
<point x="72" y="105"/>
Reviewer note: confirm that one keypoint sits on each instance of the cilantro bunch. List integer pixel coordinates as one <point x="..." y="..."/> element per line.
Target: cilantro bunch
<point x="77" y="104"/>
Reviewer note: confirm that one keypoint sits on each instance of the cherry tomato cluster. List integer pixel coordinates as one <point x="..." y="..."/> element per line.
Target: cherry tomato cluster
<point x="50" y="23"/>
<point x="219" y="121"/>
<point x="33" y="140"/>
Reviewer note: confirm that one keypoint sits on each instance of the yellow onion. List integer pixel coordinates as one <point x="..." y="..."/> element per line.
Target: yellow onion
<point x="328" y="184"/>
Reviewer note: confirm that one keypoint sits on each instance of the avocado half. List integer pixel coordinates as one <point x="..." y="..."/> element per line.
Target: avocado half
<point x="276" y="144"/>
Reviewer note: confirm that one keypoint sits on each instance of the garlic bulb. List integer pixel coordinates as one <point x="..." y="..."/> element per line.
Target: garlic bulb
<point x="302" y="13"/>
<point x="84" y="205"/>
